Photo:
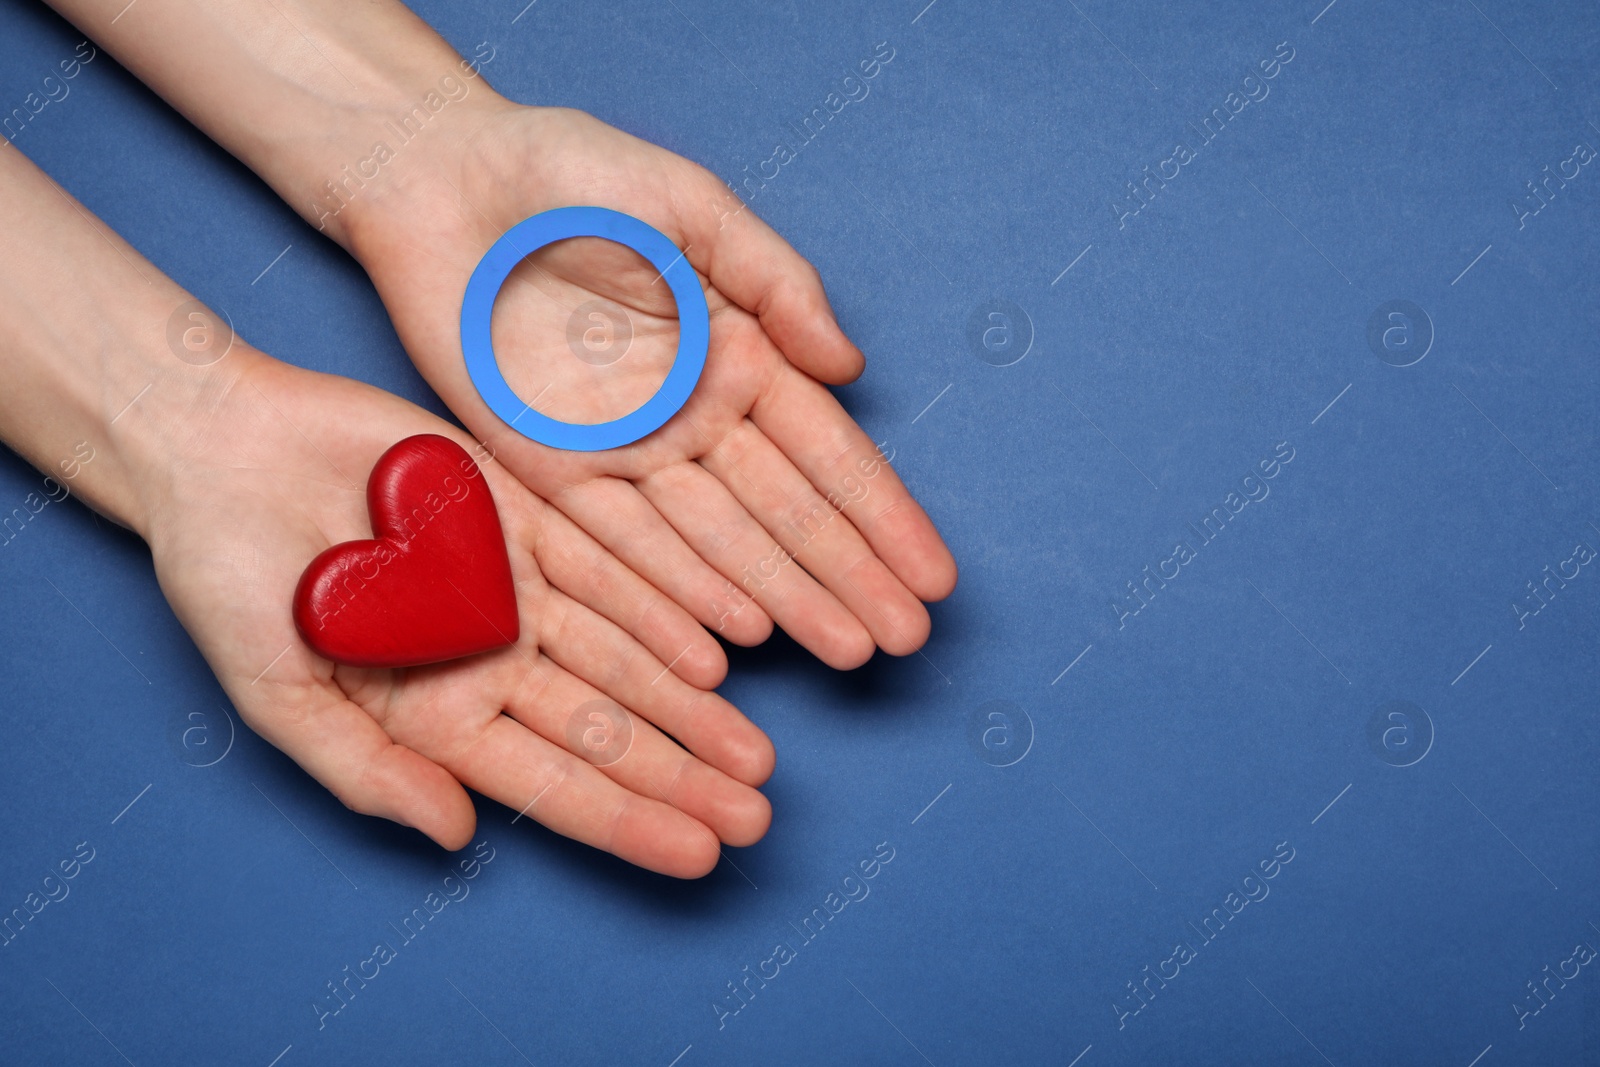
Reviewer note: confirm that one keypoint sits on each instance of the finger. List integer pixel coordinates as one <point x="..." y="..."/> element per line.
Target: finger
<point x="612" y="662"/>
<point x="624" y="521"/>
<point x="546" y="783"/>
<point x="758" y="270"/>
<point x="341" y="746"/>
<point x="577" y="565"/>
<point x="715" y="525"/>
<point x="809" y="426"/>
<point x="631" y="752"/>
<point x="809" y="528"/>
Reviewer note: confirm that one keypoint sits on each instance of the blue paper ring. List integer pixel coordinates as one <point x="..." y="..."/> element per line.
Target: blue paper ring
<point x="532" y="234"/>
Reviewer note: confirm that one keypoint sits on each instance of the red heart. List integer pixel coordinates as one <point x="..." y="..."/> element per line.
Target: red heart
<point x="435" y="584"/>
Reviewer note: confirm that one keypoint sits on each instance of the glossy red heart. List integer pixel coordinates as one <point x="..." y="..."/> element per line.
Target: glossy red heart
<point x="433" y="584"/>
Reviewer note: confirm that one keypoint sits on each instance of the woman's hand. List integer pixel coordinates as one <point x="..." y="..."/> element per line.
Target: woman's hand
<point x="380" y="135"/>
<point x="273" y="470"/>
<point x="761" y="469"/>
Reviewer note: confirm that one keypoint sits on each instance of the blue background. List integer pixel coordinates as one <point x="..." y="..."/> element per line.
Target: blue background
<point x="1180" y="749"/>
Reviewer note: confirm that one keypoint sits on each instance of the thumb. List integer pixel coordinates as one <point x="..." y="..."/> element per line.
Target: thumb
<point x="758" y="270"/>
<point x="341" y="746"/>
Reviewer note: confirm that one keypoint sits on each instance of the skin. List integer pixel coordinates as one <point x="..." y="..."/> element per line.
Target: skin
<point x="239" y="472"/>
<point x="725" y="509"/>
<point x="744" y="472"/>
<point x="761" y="502"/>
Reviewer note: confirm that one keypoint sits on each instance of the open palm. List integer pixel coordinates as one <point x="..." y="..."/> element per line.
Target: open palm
<point x="275" y="473"/>
<point x="761" y="470"/>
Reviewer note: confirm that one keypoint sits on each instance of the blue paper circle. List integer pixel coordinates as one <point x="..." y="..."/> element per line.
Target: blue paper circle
<point x="532" y="234"/>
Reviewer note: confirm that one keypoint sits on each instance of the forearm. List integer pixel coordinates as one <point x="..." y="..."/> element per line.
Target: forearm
<point x="93" y="395"/>
<point x="304" y="92"/>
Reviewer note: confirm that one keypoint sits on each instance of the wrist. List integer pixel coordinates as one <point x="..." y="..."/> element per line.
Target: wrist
<point x="461" y="191"/>
<point x="303" y="91"/>
<point x="184" y="420"/>
<point x="111" y="420"/>
<point x="102" y="368"/>
<point x="398" y="150"/>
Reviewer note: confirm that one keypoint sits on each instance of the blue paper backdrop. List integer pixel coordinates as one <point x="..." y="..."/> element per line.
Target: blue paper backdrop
<point x="1341" y="680"/>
